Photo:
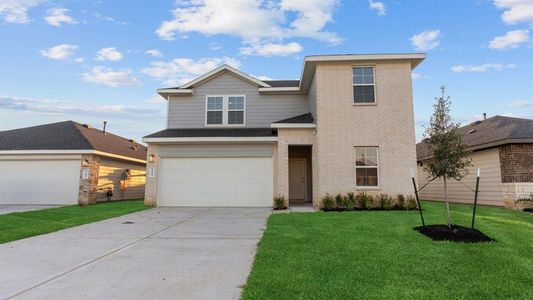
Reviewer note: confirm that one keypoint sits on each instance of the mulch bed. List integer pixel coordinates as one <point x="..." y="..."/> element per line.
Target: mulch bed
<point x="372" y="209"/>
<point x="529" y="210"/>
<point x="456" y="233"/>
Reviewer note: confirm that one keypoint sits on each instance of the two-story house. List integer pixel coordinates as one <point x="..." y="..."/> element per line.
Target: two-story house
<point x="233" y="140"/>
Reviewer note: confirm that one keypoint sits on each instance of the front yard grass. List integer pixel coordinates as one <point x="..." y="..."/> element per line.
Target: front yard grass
<point x="20" y="225"/>
<point x="369" y="255"/>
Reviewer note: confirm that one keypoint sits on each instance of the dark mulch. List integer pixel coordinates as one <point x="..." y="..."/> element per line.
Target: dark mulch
<point x="456" y="233"/>
<point x="366" y="209"/>
<point x="529" y="210"/>
<point x="279" y="208"/>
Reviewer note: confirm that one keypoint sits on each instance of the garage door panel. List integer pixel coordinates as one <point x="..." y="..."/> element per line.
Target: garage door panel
<point x="215" y="181"/>
<point x="39" y="181"/>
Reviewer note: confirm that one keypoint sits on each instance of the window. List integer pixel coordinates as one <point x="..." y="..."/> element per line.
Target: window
<point x="225" y="110"/>
<point x="366" y="166"/>
<point x="363" y="85"/>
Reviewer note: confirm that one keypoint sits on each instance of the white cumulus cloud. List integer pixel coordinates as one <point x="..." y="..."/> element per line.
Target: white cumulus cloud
<point x="56" y="16"/>
<point x="181" y="70"/>
<point x="519" y="104"/>
<point x="110" y="77"/>
<point x="154" y="53"/>
<point x="257" y="21"/>
<point x="16" y="11"/>
<point x="481" y="68"/>
<point x="426" y="40"/>
<point x="271" y="49"/>
<point x="111" y="54"/>
<point x="516" y="11"/>
<point x="379" y="7"/>
<point x="511" y="39"/>
<point x="59" y="52"/>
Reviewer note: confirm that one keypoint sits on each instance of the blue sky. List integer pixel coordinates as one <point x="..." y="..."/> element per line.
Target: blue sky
<point x="91" y="61"/>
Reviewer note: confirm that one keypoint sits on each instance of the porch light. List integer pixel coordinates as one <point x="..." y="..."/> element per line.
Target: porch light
<point x="85" y="163"/>
<point x="151" y="158"/>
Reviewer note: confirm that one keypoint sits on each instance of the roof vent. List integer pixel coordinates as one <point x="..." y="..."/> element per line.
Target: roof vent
<point x="472" y="131"/>
<point x="476" y="123"/>
<point x="87" y="126"/>
<point x="132" y="141"/>
<point x="133" y="148"/>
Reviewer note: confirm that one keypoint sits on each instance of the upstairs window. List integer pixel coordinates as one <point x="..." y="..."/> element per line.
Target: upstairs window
<point x="363" y="85"/>
<point x="225" y="110"/>
<point x="366" y="166"/>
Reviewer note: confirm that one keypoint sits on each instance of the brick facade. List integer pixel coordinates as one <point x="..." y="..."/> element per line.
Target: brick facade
<point x="89" y="186"/>
<point x="516" y="162"/>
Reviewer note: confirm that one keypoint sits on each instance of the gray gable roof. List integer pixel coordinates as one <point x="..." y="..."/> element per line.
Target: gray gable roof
<point x="491" y="132"/>
<point x="282" y="83"/>
<point x="214" y="132"/>
<point x="69" y="135"/>
<point x="301" y="119"/>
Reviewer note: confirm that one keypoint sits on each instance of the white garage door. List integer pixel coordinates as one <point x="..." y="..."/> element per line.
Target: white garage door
<point x="39" y="181"/>
<point x="215" y="181"/>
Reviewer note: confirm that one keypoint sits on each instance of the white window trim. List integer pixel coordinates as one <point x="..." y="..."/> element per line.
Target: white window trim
<point x="225" y="110"/>
<point x="362" y="187"/>
<point x="366" y="84"/>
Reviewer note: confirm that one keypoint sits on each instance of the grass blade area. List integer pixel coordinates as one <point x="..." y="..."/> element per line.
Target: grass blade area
<point x="378" y="255"/>
<point x="19" y="225"/>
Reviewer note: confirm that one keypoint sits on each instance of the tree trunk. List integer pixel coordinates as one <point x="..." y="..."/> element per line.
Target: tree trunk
<point x="447" y="203"/>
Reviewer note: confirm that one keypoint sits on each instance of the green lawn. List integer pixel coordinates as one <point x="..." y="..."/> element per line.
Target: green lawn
<point x="377" y="255"/>
<point x="19" y="225"/>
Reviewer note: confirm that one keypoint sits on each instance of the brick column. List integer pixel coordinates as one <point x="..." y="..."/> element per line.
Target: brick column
<point x="150" y="194"/>
<point x="283" y="169"/>
<point x="89" y="186"/>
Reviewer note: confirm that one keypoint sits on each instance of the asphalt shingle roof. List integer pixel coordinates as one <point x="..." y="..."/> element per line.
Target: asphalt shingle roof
<point x="214" y="132"/>
<point x="69" y="135"/>
<point x="282" y="83"/>
<point x="301" y="119"/>
<point x="482" y="134"/>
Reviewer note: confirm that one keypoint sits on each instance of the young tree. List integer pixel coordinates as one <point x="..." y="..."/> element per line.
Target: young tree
<point x="449" y="154"/>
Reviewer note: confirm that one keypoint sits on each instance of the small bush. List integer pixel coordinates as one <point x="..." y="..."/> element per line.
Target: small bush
<point x="341" y="203"/>
<point x="525" y="199"/>
<point x="364" y="200"/>
<point x="350" y="200"/>
<point x="385" y="201"/>
<point x="411" y="203"/>
<point x="328" y="202"/>
<point x="401" y="201"/>
<point x="279" y="202"/>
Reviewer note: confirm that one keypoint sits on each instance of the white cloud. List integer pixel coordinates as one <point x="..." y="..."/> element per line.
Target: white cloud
<point x="519" y="104"/>
<point x="59" y="52"/>
<point x="110" y="54"/>
<point x="214" y="46"/>
<point x="16" y="11"/>
<point x="516" y="11"/>
<point x="154" y="53"/>
<point x="182" y="70"/>
<point x="270" y="49"/>
<point x="258" y="21"/>
<point x="68" y="108"/>
<point x="379" y="7"/>
<point x="56" y="16"/>
<point x="156" y="99"/>
<point x="262" y="77"/>
<point x="415" y="75"/>
<point x="110" y="77"/>
<point x="511" y="39"/>
<point x="481" y="68"/>
<point x="79" y="60"/>
<point x="426" y="40"/>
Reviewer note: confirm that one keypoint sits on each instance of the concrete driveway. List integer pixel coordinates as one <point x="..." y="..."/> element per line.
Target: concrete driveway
<point x="161" y="253"/>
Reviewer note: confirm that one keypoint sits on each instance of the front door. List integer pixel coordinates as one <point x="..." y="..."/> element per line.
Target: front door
<point x="297" y="179"/>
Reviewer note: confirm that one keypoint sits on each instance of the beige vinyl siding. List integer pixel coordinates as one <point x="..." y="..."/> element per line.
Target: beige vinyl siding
<point x="261" y="110"/>
<point x="110" y="175"/>
<point x="490" y="187"/>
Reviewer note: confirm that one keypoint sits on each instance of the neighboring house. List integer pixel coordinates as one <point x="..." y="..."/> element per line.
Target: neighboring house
<point x="69" y="163"/>
<point x="502" y="148"/>
<point x="233" y="140"/>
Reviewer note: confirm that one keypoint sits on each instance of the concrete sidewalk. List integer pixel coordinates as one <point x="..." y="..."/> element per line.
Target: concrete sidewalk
<point x="162" y="253"/>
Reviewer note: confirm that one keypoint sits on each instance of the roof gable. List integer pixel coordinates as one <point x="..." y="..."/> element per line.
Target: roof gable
<point x="224" y="68"/>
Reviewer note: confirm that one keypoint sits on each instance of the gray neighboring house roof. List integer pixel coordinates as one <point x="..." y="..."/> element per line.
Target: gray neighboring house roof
<point x="494" y="131"/>
<point x="301" y="119"/>
<point x="282" y="83"/>
<point x="69" y="135"/>
<point x="214" y="132"/>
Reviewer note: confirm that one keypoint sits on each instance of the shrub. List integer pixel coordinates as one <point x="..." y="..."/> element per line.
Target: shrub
<point x="525" y="199"/>
<point x="401" y="201"/>
<point x="328" y="202"/>
<point x="411" y="203"/>
<point x="385" y="201"/>
<point x="350" y="200"/>
<point x="279" y="202"/>
<point x="339" y="200"/>
<point x="364" y="200"/>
